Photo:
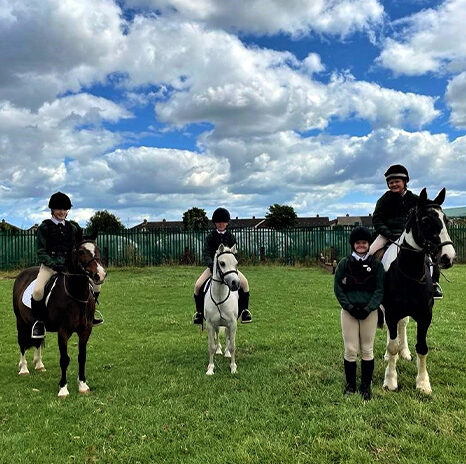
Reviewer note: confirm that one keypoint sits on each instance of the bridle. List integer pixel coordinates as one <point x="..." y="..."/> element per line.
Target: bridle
<point x="221" y="281"/>
<point x="427" y="245"/>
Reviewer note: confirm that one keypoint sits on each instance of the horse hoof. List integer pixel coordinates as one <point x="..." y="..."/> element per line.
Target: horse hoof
<point x="40" y="368"/>
<point x="406" y="354"/>
<point x="390" y="387"/>
<point x="63" y="393"/>
<point x="209" y="372"/>
<point x="23" y="372"/>
<point x="219" y="351"/>
<point x="83" y="388"/>
<point x="233" y="370"/>
<point x="227" y="354"/>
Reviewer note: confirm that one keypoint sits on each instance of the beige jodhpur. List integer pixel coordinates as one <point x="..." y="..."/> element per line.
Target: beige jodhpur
<point x="358" y="335"/>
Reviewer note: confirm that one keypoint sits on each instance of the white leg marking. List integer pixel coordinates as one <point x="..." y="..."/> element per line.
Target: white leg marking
<point x="403" y="339"/>
<point x="391" y="377"/>
<point x="83" y="387"/>
<point x="39" y="365"/>
<point x="23" y="365"/>
<point x="422" y="379"/>
<point x="212" y="348"/>
<point x="63" y="393"/>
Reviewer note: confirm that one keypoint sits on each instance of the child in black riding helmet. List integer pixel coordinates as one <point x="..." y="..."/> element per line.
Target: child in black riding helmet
<point x="391" y="213"/>
<point x="56" y="238"/>
<point x="219" y="235"/>
<point x="358" y="286"/>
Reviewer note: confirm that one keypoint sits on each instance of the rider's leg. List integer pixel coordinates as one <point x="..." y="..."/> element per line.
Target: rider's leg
<point x="435" y="272"/>
<point x="37" y="304"/>
<point x="198" y="317"/>
<point x="96" y="291"/>
<point x="350" y="333"/>
<point x="377" y="244"/>
<point x="243" y="299"/>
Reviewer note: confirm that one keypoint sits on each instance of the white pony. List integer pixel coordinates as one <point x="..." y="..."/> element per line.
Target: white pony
<point x="221" y="305"/>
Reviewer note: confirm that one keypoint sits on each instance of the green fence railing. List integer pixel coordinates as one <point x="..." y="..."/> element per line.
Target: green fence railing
<point x="154" y="247"/>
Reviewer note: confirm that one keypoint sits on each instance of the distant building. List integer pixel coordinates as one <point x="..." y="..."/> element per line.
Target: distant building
<point x="7" y="226"/>
<point x="235" y="223"/>
<point x="348" y="220"/>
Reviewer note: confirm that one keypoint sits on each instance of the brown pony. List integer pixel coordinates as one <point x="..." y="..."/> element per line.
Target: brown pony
<point x="70" y="308"/>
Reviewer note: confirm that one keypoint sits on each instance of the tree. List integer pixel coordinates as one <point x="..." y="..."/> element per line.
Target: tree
<point x="281" y="216"/>
<point x="195" y="219"/>
<point x="103" y="221"/>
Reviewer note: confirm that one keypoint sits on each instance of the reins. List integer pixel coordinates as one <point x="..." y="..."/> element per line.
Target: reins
<point x="222" y="281"/>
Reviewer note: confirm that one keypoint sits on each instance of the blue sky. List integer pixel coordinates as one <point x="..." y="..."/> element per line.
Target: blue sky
<point x="147" y="108"/>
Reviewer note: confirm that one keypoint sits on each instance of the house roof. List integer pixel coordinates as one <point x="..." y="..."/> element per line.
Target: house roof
<point x="347" y="220"/>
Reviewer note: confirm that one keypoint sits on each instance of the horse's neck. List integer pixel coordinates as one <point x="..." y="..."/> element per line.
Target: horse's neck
<point x="411" y="260"/>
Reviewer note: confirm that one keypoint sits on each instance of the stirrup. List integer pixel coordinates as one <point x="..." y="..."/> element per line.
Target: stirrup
<point x="40" y="334"/>
<point x="245" y="316"/>
<point x="98" y="318"/>
<point x="437" y="292"/>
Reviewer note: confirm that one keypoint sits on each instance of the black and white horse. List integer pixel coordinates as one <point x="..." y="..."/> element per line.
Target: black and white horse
<point x="408" y="283"/>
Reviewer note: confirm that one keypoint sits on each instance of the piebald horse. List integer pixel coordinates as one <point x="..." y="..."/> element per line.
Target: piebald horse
<point x="70" y="308"/>
<point x="408" y="284"/>
<point x="221" y="305"/>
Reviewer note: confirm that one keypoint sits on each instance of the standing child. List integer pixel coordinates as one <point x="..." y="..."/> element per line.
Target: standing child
<point x="358" y="286"/>
<point x="56" y="238"/>
<point x="219" y="235"/>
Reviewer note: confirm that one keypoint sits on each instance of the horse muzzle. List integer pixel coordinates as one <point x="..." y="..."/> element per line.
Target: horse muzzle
<point x="446" y="261"/>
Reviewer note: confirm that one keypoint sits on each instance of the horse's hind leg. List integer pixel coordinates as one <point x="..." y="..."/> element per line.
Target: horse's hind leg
<point x="391" y="376"/>
<point x="39" y="365"/>
<point x="422" y="379"/>
<point x="82" y="385"/>
<point x="403" y="349"/>
<point x="64" y="362"/>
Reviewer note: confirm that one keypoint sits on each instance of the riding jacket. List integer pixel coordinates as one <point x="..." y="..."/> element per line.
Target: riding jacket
<point x="391" y="212"/>
<point x="55" y="242"/>
<point x="213" y="241"/>
<point x="358" y="285"/>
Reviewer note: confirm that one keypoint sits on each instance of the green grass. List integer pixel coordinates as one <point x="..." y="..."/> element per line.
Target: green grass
<point x="152" y="402"/>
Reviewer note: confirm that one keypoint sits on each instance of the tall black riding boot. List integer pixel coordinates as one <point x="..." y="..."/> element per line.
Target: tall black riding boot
<point x="437" y="290"/>
<point x="367" y="369"/>
<point x="198" y="317"/>
<point x="350" y="374"/>
<point x="243" y="304"/>
<point x="38" y="327"/>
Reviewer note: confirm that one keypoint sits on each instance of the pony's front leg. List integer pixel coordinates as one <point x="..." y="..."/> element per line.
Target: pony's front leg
<point x="403" y="348"/>
<point x="422" y="378"/>
<point x="217" y="342"/>
<point x="64" y="362"/>
<point x="231" y="346"/>
<point x="23" y="364"/>
<point x="39" y="365"/>
<point x="82" y="385"/>
<point x="212" y="348"/>
<point x="391" y="377"/>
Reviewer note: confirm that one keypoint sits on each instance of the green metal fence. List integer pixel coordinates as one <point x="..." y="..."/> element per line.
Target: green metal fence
<point x="154" y="247"/>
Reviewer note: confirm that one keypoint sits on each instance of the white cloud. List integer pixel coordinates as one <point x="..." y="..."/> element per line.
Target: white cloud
<point x="294" y="17"/>
<point x="430" y="41"/>
<point x="456" y="99"/>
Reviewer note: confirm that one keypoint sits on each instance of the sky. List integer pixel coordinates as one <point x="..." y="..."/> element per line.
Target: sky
<point x="147" y="108"/>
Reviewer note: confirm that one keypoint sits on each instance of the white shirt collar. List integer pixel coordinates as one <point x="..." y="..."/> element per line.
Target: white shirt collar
<point x="56" y="221"/>
<point x="221" y="231"/>
<point x="358" y="257"/>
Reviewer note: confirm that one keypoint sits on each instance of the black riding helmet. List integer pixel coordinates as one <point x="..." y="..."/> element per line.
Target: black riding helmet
<point x="360" y="233"/>
<point x="60" y="201"/>
<point x="221" y="215"/>
<point x="397" y="171"/>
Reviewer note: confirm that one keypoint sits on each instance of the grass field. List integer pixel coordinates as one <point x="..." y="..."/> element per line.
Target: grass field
<point x="152" y="402"/>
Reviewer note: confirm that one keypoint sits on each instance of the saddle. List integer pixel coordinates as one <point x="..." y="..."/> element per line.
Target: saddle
<point x="381" y="251"/>
<point x="27" y="294"/>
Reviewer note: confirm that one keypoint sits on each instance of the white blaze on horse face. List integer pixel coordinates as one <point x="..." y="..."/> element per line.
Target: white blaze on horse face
<point x="447" y="253"/>
<point x="90" y="247"/>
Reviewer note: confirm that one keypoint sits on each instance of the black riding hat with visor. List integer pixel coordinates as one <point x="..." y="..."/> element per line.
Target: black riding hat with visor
<point x="60" y="201"/>
<point x="397" y="171"/>
<point x="360" y="233"/>
<point x="221" y="215"/>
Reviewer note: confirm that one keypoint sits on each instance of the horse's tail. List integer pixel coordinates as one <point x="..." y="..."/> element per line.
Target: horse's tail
<point x="380" y="318"/>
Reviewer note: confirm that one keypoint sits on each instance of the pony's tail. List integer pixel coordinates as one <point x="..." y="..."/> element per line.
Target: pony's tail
<point x="380" y="318"/>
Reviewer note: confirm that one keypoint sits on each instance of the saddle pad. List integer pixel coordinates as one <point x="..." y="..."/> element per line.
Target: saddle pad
<point x="27" y="295"/>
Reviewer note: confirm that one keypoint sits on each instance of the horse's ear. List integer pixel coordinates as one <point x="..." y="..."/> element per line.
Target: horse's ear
<point x="233" y="249"/>
<point x="423" y="196"/>
<point x="221" y="248"/>
<point x="440" y="198"/>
